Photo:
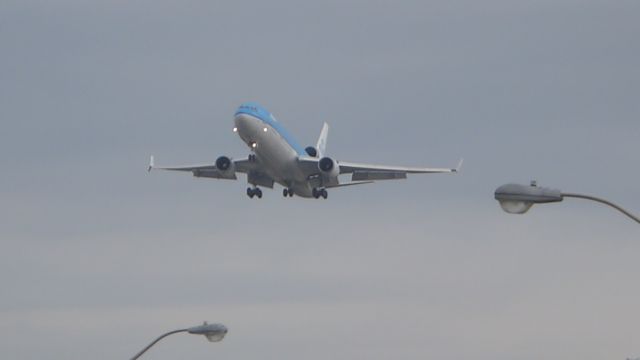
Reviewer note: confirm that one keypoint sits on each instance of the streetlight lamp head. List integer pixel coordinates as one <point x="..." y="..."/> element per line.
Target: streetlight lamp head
<point x="515" y="207"/>
<point x="517" y="198"/>
<point x="213" y="332"/>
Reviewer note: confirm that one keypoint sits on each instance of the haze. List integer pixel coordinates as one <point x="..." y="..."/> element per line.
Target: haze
<point x="98" y="257"/>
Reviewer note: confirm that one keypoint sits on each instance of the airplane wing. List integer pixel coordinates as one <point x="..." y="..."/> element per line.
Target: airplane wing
<point x="210" y="170"/>
<point x="348" y="184"/>
<point x="367" y="172"/>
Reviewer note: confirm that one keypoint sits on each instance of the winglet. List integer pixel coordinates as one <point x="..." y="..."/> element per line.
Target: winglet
<point x="151" y="164"/>
<point x="457" y="169"/>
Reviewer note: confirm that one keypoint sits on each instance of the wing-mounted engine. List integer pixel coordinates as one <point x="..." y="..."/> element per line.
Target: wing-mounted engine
<point x="330" y="170"/>
<point x="225" y="169"/>
<point x="311" y="151"/>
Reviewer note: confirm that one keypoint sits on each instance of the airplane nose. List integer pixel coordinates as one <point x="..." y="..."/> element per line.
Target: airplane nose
<point x="239" y="121"/>
<point x="246" y="124"/>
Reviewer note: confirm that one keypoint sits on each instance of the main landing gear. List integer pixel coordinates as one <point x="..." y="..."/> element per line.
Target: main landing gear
<point x="317" y="193"/>
<point x="251" y="192"/>
<point x="287" y="192"/>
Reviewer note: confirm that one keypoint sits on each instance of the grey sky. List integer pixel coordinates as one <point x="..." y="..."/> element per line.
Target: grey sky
<point x="98" y="256"/>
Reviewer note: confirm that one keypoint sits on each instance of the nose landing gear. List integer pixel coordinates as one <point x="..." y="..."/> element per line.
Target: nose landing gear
<point x="317" y="193"/>
<point x="251" y="192"/>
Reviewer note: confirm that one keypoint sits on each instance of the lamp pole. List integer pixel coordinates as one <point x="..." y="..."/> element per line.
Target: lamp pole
<point x="518" y="199"/>
<point x="213" y="333"/>
<point x="155" y="341"/>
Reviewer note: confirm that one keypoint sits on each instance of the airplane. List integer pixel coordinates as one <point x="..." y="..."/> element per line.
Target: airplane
<point x="276" y="157"/>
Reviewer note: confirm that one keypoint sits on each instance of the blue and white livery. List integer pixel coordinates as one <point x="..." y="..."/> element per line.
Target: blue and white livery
<point x="276" y="157"/>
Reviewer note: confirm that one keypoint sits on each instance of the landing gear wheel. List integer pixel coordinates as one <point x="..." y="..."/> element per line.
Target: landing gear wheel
<point x="319" y="193"/>
<point x="290" y="192"/>
<point x="252" y="157"/>
<point x="254" y="192"/>
<point x="285" y="192"/>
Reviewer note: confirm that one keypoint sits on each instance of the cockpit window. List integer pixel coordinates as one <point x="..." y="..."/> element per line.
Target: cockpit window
<point x="249" y="107"/>
<point x="256" y="110"/>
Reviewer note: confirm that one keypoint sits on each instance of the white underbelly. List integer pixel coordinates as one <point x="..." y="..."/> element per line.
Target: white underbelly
<point x="276" y="157"/>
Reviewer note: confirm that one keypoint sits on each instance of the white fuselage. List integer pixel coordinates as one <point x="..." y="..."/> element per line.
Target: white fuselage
<point x="273" y="151"/>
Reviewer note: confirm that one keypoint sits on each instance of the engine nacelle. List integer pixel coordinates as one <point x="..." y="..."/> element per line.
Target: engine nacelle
<point x="329" y="167"/>
<point x="311" y="151"/>
<point x="226" y="168"/>
<point x="224" y="164"/>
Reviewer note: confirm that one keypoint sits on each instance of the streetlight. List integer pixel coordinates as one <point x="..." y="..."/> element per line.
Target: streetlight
<point x="517" y="199"/>
<point x="213" y="333"/>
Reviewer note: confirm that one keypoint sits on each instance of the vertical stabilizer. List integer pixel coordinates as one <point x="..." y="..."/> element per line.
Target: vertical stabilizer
<point x="322" y="140"/>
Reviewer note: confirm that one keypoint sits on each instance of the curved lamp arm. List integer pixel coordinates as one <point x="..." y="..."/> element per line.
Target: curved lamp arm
<point x="155" y="341"/>
<point x="213" y="333"/>
<point x="517" y="198"/>
<point x="603" y="201"/>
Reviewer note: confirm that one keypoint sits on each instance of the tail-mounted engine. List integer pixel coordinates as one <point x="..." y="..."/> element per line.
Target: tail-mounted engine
<point x="311" y="151"/>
